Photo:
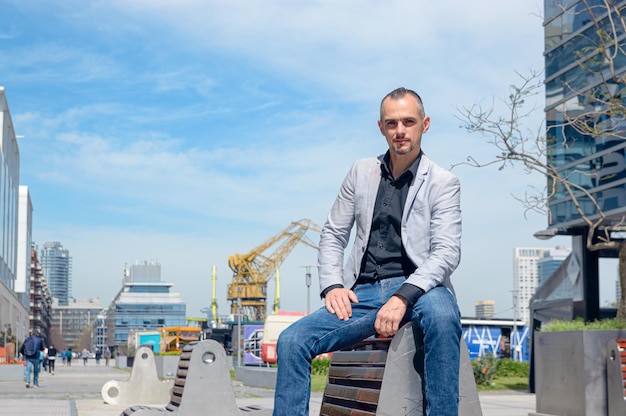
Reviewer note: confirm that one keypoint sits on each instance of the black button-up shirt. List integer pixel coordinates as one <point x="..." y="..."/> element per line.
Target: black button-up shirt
<point x="385" y="257"/>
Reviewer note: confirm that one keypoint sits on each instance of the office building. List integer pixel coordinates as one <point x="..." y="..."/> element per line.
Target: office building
<point x="57" y="266"/>
<point x="40" y="315"/>
<point x="24" y="247"/>
<point x="485" y="309"/>
<point x="143" y="303"/>
<point x="526" y="263"/>
<point x="75" y="325"/>
<point x="14" y="250"/>
<point x="585" y="134"/>
<point x="550" y="261"/>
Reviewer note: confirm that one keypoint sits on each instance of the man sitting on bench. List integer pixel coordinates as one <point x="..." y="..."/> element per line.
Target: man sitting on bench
<point x="408" y="231"/>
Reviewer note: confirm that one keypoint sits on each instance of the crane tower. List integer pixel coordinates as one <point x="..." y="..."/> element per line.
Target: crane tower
<point x="253" y="270"/>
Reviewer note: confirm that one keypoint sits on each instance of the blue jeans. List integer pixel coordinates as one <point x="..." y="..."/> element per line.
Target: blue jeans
<point x="34" y="365"/>
<point x="436" y="313"/>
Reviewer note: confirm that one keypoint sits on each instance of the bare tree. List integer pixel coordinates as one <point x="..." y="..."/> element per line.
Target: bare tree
<point x="57" y="340"/>
<point x="85" y="338"/>
<point x="596" y="109"/>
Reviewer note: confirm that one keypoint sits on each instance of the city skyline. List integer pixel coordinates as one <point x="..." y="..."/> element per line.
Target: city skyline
<point x="187" y="133"/>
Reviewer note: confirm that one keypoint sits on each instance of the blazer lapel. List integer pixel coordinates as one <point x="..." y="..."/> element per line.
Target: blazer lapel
<point x="420" y="177"/>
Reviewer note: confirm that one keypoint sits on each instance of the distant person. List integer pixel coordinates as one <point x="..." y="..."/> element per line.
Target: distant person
<point x="98" y="356"/>
<point x="30" y="349"/>
<point x="85" y="355"/>
<point x="68" y="357"/>
<point x="42" y="360"/>
<point x="52" y="358"/>
<point x="107" y="356"/>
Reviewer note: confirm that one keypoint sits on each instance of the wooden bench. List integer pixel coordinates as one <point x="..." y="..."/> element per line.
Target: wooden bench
<point x="381" y="377"/>
<point x="616" y="377"/>
<point x="202" y="386"/>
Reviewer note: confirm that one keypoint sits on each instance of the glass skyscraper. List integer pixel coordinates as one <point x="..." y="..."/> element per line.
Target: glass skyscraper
<point x="57" y="267"/>
<point x="585" y="138"/>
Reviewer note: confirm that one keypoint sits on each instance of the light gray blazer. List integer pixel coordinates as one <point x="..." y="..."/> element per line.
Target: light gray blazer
<point x="431" y="225"/>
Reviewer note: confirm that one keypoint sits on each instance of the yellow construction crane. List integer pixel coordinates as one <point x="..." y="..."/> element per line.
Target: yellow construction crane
<point x="252" y="271"/>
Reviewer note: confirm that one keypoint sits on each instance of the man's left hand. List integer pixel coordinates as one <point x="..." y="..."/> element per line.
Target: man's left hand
<point x="390" y="315"/>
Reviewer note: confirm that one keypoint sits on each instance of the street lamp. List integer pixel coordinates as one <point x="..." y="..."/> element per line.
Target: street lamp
<point x="546" y="234"/>
<point x="239" y="328"/>
<point x="308" y="289"/>
<point x="307" y="281"/>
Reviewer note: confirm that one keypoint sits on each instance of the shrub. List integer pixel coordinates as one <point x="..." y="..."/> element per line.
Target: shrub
<point x="579" y="324"/>
<point x="320" y="366"/>
<point x="485" y="369"/>
<point x="510" y="368"/>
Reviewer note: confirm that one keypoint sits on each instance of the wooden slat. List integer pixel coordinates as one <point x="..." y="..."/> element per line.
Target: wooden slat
<point x="361" y="397"/>
<point x="361" y="357"/>
<point x="357" y="373"/>
<point x="354" y="379"/>
<point x="329" y="409"/>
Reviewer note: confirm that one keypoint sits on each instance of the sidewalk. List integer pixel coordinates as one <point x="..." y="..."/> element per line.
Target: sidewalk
<point x="76" y="391"/>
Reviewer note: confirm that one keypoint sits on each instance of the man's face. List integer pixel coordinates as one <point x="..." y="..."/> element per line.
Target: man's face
<point x="402" y="125"/>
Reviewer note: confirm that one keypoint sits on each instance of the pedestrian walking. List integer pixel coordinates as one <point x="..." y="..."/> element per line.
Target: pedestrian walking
<point x="107" y="356"/>
<point x="52" y="357"/>
<point x="85" y="355"/>
<point x="30" y="349"/>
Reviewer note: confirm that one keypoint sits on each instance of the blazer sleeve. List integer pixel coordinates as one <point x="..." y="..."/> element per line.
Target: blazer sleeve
<point x="438" y="239"/>
<point x="335" y="234"/>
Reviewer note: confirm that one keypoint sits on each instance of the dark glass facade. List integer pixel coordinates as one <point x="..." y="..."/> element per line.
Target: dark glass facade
<point x="146" y="317"/>
<point x="579" y="82"/>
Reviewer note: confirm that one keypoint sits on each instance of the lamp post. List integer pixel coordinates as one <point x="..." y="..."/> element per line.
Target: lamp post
<point x="514" y="346"/>
<point x="307" y="278"/>
<point x="239" y="328"/>
<point x="307" y="281"/>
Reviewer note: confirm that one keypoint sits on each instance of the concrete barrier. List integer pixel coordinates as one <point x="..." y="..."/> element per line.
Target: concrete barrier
<point x="202" y="386"/>
<point x="11" y="372"/>
<point x="143" y="386"/>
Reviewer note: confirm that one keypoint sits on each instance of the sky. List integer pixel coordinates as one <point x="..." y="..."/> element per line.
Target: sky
<point x="186" y="131"/>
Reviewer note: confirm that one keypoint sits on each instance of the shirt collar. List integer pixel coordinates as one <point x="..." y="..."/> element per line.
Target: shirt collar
<point x="384" y="163"/>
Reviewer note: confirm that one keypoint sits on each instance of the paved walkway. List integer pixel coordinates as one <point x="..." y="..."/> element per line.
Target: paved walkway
<point x="76" y="391"/>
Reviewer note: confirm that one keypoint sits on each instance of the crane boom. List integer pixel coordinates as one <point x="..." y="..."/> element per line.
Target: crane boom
<point x="253" y="270"/>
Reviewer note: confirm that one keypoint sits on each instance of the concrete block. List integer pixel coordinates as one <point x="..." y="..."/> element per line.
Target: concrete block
<point x="143" y="386"/>
<point x="400" y="392"/>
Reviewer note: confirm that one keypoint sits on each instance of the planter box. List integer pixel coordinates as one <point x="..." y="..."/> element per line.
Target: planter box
<point x="570" y="371"/>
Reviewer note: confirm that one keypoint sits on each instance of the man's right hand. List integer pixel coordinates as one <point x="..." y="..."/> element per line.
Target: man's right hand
<point x="339" y="302"/>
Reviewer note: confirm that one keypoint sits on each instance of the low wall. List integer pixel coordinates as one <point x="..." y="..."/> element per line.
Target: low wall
<point x="257" y="376"/>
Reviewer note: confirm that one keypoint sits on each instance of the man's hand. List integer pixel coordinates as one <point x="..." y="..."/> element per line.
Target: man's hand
<point x="390" y="315"/>
<point x="338" y="301"/>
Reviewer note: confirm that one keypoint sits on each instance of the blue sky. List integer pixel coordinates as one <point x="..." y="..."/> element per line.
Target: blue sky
<point x="187" y="131"/>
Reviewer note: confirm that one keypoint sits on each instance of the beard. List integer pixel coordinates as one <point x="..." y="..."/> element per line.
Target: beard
<point x="404" y="150"/>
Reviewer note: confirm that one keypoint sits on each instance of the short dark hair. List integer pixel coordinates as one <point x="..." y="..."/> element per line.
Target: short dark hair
<point x="399" y="93"/>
